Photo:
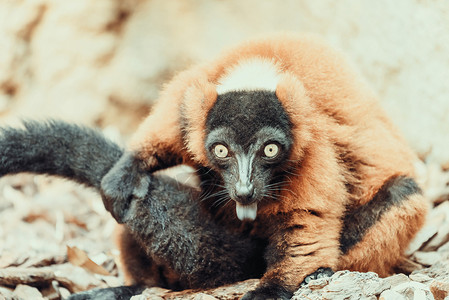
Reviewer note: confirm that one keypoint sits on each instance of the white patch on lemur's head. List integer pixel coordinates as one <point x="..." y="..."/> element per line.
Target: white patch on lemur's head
<point x="250" y="75"/>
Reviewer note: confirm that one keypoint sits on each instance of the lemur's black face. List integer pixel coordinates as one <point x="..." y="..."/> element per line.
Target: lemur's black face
<point x="248" y="142"/>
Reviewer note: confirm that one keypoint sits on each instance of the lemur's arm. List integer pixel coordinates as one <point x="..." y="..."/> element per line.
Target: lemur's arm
<point x="157" y="144"/>
<point x="131" y="175"/>
<point x="306" y="245"/>
<point x="305" y="228"/>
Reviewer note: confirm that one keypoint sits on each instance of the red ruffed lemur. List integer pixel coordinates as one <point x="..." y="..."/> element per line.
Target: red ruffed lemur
<point x="301" y="174"/>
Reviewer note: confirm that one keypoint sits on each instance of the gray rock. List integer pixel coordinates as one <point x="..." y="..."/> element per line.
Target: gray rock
<point x="391" y="295"/>
<point x="439" y="270"/>
<point x="6" y="293"/>
<point x="344" y="285"/>
<point x="414" y="290"/>
<point x="418" y="277"/>
<point x="397" y="279"/>
<point x="427" y="258"/>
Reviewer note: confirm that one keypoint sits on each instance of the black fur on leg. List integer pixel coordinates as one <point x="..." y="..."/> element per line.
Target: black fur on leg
<point x="114" y="293"/>
<point x="269" y="292"/>
<point x="171" y="227"/>
<point x="359" y="220"/>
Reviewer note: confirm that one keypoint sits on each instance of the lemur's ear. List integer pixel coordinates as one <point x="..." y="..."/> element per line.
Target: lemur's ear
<point x="199" y="98"/>
<point x="293" y="96"/>
<point x="291" y="93"/>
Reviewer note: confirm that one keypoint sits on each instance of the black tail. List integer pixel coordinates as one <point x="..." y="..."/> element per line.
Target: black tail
<point x="57" y="148"/>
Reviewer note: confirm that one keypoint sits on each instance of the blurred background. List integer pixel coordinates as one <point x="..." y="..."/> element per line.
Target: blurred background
<point x="103" y="62"/>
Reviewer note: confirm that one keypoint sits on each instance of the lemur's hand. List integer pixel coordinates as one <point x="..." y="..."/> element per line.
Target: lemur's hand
<point x="276" y="291"/>
<point x="320" y="273"/>
<point x="126" y="181"/>
<point x="268" y="292"/>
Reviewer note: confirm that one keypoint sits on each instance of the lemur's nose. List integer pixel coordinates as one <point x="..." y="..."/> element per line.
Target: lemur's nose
<point x="245" y="192"/>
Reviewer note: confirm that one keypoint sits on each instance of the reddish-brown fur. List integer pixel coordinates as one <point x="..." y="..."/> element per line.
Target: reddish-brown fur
<point x="137" y="266"/>
<point x="345" y="148"/>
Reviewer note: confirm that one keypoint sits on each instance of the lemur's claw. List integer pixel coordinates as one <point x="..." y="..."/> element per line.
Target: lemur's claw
<point x="320" y="273"/>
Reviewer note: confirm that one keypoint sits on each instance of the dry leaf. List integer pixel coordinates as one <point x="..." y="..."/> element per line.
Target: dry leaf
<point x="74" y="220"/>
<point x="37" y="215"/>
<point x="80" y="258"/>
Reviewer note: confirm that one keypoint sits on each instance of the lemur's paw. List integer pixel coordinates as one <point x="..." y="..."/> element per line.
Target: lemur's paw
<point x="320" y="273"/>
<point x="126" y="181"/>
<point x="268" y="292"/>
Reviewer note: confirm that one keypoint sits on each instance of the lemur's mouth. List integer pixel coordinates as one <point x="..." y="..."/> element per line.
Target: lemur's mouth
<point x="246" y="212"/>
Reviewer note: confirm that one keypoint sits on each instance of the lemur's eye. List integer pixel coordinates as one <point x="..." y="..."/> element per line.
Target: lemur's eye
<point x="220" y="151"/>
<point x="271" y="150"/>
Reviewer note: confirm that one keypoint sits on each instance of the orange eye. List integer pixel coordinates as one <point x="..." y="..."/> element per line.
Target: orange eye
<point x="220" y="151"/>
<point x="271" y="150"/>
